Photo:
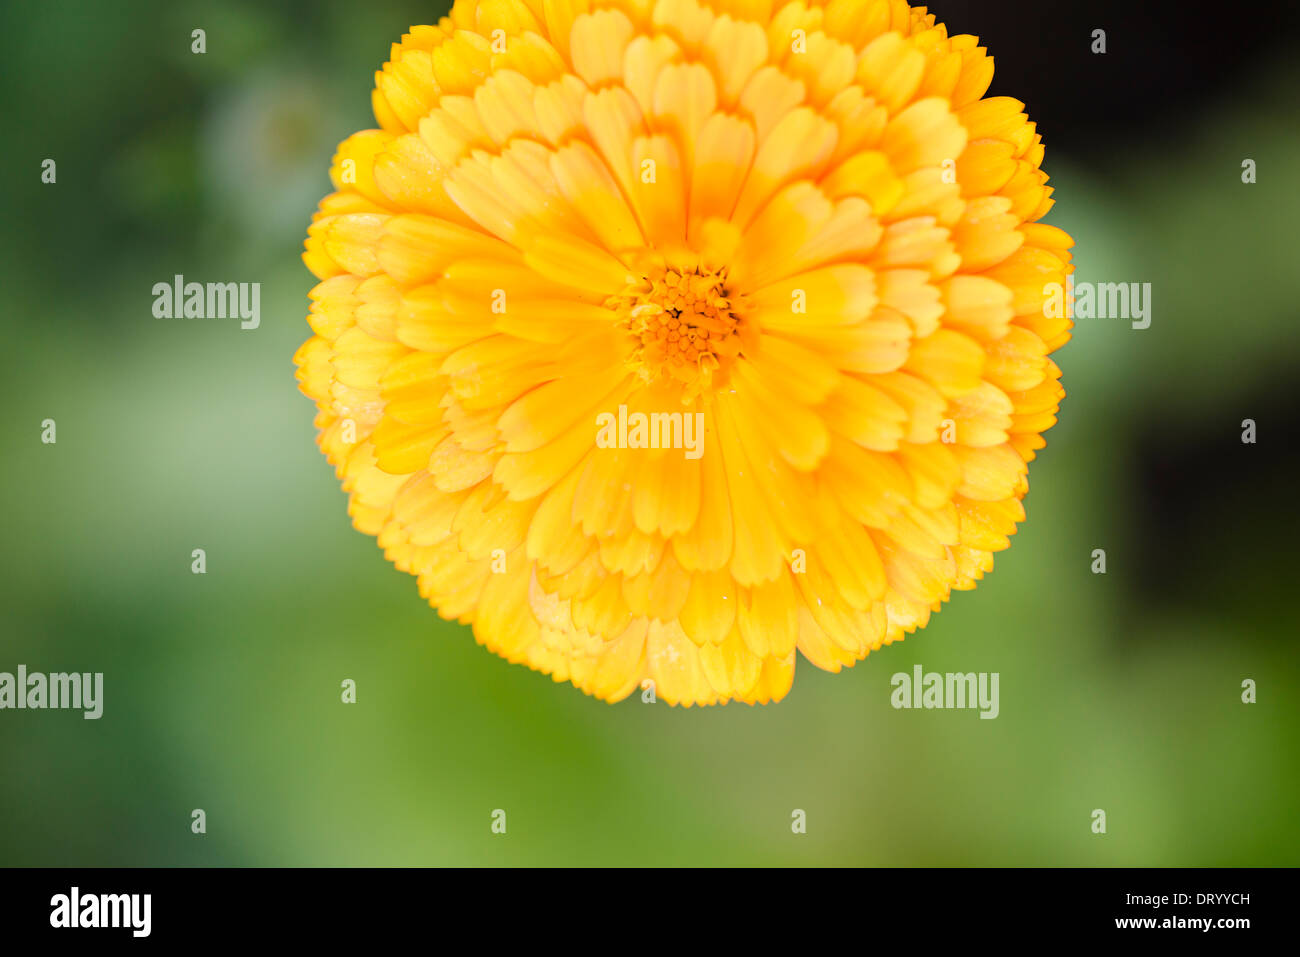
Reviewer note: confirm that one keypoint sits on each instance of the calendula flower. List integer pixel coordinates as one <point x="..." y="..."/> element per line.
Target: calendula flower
<point x="802" y="226"/>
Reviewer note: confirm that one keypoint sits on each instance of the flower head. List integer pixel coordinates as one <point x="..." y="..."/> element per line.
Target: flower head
<point x="800" y="225"/>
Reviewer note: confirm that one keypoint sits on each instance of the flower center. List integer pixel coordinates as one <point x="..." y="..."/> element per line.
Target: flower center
<point x="681" y="326"/>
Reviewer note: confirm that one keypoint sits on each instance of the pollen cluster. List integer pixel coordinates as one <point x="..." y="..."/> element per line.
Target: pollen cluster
<point x="682" y="326"/>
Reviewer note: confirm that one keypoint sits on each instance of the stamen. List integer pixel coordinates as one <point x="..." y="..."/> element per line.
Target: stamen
<point x="682" y="326"/>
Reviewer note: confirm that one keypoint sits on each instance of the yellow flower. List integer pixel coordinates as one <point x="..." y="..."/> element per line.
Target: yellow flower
<point x="802" y="226"/>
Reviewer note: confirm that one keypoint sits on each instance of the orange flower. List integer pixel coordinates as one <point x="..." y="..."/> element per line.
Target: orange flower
<point x="802" y="224"/>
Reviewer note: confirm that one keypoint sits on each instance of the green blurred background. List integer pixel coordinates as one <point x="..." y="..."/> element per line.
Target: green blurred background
<point x="1119" y="692"/>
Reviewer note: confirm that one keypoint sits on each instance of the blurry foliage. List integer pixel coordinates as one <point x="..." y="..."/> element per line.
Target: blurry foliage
<point x="1118" y="692"/>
